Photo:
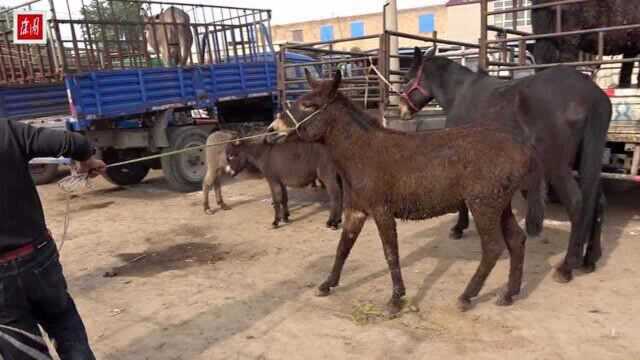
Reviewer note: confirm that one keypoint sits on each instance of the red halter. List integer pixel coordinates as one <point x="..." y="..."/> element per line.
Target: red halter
<point x="406" y="95"/>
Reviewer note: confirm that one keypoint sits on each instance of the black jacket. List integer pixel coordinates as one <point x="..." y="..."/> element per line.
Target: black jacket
<point x="21" y="215"/>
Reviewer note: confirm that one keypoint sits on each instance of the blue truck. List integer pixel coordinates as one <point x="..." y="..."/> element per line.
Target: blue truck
<point x="100" y="76"/>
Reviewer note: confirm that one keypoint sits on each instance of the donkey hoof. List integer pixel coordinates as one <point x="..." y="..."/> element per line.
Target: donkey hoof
<point x="463" y="304"/>
<point x="333" y="225"/>
<point x="209" y="211"/>
<point x="562" y="276"/>
<point x="504" y="300"/>
<point x="323" y="291"/>
<point x="286" y="220"/>
<point x="456" y="234"/>
<point x="225" y="207"/>
<point x="275" y="224"/>
<point x="588" y="267"/>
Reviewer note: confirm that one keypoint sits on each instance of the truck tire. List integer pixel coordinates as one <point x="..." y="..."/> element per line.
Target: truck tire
<point x="129" y="174"/>
<point x="43" y="173"/>
<point x="184" y="172"/>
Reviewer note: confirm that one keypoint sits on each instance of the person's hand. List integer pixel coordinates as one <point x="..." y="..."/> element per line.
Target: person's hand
<point x="93" y="167"/>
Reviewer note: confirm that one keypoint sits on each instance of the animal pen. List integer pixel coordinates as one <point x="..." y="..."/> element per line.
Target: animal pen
<point x="102" y="73"/>
<point x="503" y="52"/>
<point x="622" y="157"/>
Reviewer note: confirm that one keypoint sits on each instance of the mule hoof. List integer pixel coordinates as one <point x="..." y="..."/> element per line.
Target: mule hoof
<point x="275" y="224"/>
<point x="332" y="225"/>
<point x="456" y="234"/>
<point x="225" y="207"/>
<point x="394" y="306"/>
<point x="209" y="211"/>
<point x="562" y="276"/>
<point x="286" y="220"/>
<point x="588" y="267"/>
<point x="323" y="291"/>
<point x="463" y="304"/>
<point x="504" y="300"/>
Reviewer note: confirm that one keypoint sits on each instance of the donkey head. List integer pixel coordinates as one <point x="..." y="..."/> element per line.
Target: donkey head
<point x="311" y="110"/>
<point x="416" y="92"/>
<point x="236" y="158"/>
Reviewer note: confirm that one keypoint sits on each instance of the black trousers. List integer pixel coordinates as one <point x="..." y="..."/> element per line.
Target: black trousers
<point x="33" y="291"/>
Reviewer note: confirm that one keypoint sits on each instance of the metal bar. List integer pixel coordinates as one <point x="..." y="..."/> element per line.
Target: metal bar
<point x="635" y="162"/>
<point x="508" y="31"/>
<point x="559" y="18"/>
<point x="431" y="39"/>
<point x="116" y="29"/>
<point x="522" y="52"/>
<point x="600" y="45"/>
<point x="336" y="61"/>
<point x="613" y="176"/>
<point x="311" y="44"/>
<point x="8" y="10"/>
<point x="199" y="5"/>
<point x="568" y="33"/>
<point x="575" y="63"/>
<point x="533" y="7"/>
<point x="105" y="51"/>
<point x="482" y="61"/>
<point x="92" y="57"/>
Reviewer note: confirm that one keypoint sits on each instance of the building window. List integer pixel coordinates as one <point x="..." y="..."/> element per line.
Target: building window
<point x="357" y="28"/>
<point x="427" y="23"/>
<point x="297" y="35"/>
<point x="505" y="21"/>
<point x="326" y="33"/>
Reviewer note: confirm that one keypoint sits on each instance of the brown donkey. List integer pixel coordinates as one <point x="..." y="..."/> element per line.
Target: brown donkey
<point x="294" y="163"/>
<point x="390" y="175"/>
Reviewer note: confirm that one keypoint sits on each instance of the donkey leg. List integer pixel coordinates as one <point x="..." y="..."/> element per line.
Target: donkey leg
<point x="515" y="241"/>
<point x="206" y="187"/>
<point x="570" y="196"/>
<point x="493" y="244"/>
<point x="218" y="190"/>
<point x="285" y="203"/>
<point x="535" y="207"/>
<point x="354" y="220"/>
<point x="594" y="248"/>
<point x="276" y="196"/>
<point x="387" y="230"/>
<point x="335" y="198"/>
<point x="463" y="223"/>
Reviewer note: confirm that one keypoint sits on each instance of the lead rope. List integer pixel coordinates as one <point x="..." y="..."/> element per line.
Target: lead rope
<point x="75" y="181"/>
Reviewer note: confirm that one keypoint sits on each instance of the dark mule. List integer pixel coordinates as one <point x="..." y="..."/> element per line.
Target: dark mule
<point x="588" y="15"/>
<point x="564" y="111"/>
<point x="293" y="163"/>
<point x="390" y="175"/>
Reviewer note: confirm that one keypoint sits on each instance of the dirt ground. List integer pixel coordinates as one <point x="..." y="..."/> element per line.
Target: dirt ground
<point x="226" y="286"/>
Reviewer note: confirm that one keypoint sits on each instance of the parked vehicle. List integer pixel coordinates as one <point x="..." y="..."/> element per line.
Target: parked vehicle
<point x="99" y="75"/>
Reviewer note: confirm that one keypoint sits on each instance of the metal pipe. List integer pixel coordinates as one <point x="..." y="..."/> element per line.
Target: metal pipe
<point x="533" y="7"/>
<point x="569" y="33"/>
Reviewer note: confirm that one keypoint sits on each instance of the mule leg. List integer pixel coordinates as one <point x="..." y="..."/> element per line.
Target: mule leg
<point x="218" y="190"/>
<point x="626" y="71"/>
<point x="354" y="220"/>
<point x="594" y="248"/>
<point x="387" y="230"/>
<point x="463" y="223"/>
<point x="285" y="203"/>
<point x="568" y="191"/>
<point x="493" y="244"/>
<point x="515" y="240"/>
<point x="276" y="196"/>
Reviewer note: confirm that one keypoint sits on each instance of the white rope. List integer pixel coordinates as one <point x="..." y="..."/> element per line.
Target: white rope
<point x="389" y="85"/>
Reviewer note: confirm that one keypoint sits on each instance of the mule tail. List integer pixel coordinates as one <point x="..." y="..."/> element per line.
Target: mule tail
<point x="535" y="184"/>
<point x="592" y="150"/>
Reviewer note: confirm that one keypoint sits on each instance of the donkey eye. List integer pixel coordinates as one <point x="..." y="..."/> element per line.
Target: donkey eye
<point x="306" y="106"/>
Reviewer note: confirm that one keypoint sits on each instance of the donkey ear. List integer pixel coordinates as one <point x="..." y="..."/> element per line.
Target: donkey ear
<point x="337" y="79"/>
<point x="430" y="53"/>
<point x="312" y="82"/>
<point x="417" y="56"/>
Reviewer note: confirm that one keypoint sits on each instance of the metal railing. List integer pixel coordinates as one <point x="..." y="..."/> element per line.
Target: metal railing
<point x="110" y="35"/>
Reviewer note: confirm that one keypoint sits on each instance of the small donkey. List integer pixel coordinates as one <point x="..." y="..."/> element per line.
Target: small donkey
<point x="293" y="163"/>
